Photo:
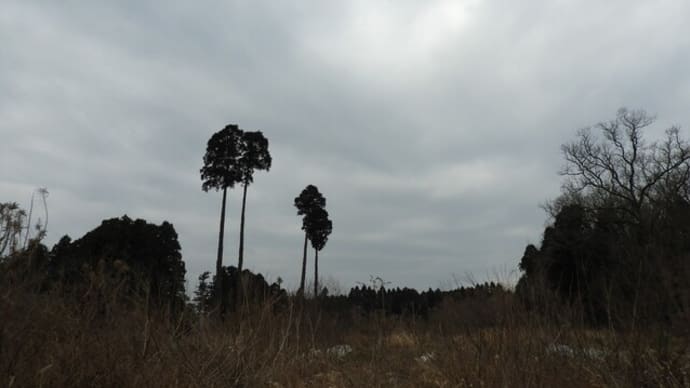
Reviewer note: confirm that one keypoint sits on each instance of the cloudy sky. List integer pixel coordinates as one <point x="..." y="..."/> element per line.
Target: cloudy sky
<point x="432" y="127"/>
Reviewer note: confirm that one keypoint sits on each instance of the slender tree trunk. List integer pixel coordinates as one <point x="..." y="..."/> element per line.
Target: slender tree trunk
<point x="304" y="267"/>
<point x="316" y="273"/>
<point x="220" y="292"/>
<point x="45" y="207"/>
<point x="239" y="284"/>
<point x="28" y="223"/>
<point x="244" y="206"/>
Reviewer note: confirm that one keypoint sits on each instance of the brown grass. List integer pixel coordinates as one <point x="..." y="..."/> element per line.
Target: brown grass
<point x="51" y="341"/>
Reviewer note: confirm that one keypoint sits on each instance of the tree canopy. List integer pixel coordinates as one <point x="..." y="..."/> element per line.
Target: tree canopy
<point x="309" y="199"/>
<point x="146" y="256"/>
<point x="318" y="227"/>
<point x="221" y="162"/>
<point x="232" y="156"/>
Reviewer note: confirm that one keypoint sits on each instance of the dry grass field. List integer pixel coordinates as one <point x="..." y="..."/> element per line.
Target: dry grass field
<point x="50" y="341"/>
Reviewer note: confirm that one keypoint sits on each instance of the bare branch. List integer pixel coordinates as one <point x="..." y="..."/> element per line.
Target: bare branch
<point x="622" y="166"/>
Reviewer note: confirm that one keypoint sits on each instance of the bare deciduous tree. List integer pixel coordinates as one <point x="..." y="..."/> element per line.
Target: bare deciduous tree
<point x="11" y="225"/>
<point x="625" y="169"/>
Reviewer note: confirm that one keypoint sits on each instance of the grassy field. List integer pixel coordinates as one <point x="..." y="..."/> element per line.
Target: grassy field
<point x="51" y="341"/>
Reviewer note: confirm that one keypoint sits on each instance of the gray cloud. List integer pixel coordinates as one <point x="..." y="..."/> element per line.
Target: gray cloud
<point x="432" y="128"/>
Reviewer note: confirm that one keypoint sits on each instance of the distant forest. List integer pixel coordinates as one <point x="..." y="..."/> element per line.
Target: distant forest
<point x="616" y="251"/>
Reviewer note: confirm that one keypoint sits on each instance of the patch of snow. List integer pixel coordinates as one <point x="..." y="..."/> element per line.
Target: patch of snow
<point x="567" y="351"/>
<point x="339" y="351"/>
<point x="426" y="357"/>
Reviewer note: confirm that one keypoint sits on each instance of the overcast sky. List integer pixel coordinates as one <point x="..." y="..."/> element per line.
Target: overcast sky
<point x="432" y="127"/>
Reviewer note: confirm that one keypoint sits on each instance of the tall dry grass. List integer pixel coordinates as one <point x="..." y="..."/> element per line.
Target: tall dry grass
<point x="54" y="340"/>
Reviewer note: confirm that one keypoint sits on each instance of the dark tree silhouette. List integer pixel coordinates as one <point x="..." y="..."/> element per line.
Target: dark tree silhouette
<point x="254" y="156"/>
<point x="623" y="169"/>
<point x="319" y="227"/>
<point x="616" y="244"/>
<point x="256" y="291"/>
<point x="231" y="157"/>
<point x="219" y="172"/>
<point x="309" y="199"/>
<point x="144" y="257"/>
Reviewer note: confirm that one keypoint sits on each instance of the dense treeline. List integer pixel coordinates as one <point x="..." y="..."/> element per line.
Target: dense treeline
<point x="143" y="260"/>
<point x="408" y="301"/>
<point x="139" y="259"/>
<point x="616" y="252"/>
<point x="618" y="249"/>
<point x="362" y="299"/>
